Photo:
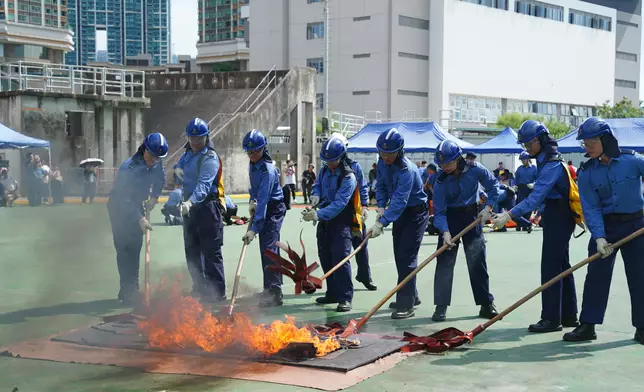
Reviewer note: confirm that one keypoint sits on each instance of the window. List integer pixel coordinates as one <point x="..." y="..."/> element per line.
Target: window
<point x="361" y="18"/>
<point x="625" y="83"/>
<point x="413" y="56"/>
<point x="362" y="56"/>
<point x="626" y="56"/>
<point x="319" y="101"/>
<point x="412" y="93"/>
<point x="317" y="63"/>
<point x="315" y="30"/>
<point x="313" y="1"/>
<point x="416" y="23"/>
<point x="500" y="4"/>
<point x="624" y="23"/>
<point x="362" y="92"/>
<point x="589" y="20"/>
<point x="539" y="9"/>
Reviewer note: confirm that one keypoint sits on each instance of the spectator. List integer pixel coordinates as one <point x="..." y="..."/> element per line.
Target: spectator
<point x="289" y="178"/>
<point x="372" y="183"/>
<point x="171" y="208"/>
<point x="308" y="179"/>
<point x="231" y="211"/>
<point x="57" y="186"/>
<point x="573" y="170"/>
<point x="8" y="188"/>
<point x="89" y="188"/>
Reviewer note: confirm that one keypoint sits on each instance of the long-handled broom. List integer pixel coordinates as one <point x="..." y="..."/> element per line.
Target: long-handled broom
<point x="239" y="269"/>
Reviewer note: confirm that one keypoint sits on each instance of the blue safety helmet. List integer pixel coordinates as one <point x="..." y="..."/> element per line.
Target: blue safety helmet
<point x="593" y="127"/>
<point x="254" y="140"/>
<point x="529" y="130"/>
<point x="446" y="152"/>
<point x="390" y="141"/>
<point x="197" y="127"/>
<point x="332" y="150"/>
<point x="157" y="144"/>
<point x="524" y="155"/>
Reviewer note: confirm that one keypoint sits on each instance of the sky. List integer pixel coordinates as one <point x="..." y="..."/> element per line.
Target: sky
<point x="185" y="32"/>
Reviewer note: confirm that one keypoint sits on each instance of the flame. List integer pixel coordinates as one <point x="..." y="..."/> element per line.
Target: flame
<point x="178" y="321"/>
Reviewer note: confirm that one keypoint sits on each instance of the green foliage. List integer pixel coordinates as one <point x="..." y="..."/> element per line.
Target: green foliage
<point x="622" y="109"/>
<point x="514" y="121"/>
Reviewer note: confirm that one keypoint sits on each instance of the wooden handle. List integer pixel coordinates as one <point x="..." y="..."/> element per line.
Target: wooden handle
<point x="239" y="268"/>
<point x="554" y="280"/>
<point x="413" y="273"/>
<point x="146" y="293"/>
<point x="358" y="249"/>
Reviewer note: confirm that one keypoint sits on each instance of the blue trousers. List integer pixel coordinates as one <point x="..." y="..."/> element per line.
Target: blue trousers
<point x="600" y="272"/>
<point x="334" y="244"/>
<point x="474" y="243"/>
<point x="560" y="299"/>
<point x="362" y="257"/>
<point x="408" y="231"/>
<point x="203" y="235"/>
<point x="128" y="240"/>
<point x="268" y="236"/>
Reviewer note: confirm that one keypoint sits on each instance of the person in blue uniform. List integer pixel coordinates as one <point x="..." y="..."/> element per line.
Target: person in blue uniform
<point x="203" y="207"/>
<point x="612" y="202"/>
<point x="399" y="184"/>
<point x="339" y="213"/>
<point x="455" y="196"/>
<point x="267" y="203"/>
<point x="525" y="177"/>
<point x="171" y="209"/>
<point x="559" y="301"/>
<point x="128" y="200"/>
<point x="362" y="257"/>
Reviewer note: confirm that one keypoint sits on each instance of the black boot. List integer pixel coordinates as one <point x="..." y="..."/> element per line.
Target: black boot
<point x="582" y="333"/>
<point x="545" y="326"/>
<point x="440" y="313"/>
<point x="569" y="322"/>
<point x="529" y="229"/>
<point x="368" y="284"/>
<point x="343" y="306"/>
<point x="325" y="300"/>
<point x="392" y="305"/>
<point x="639" y="335"/>
<point x="488" y="311"/>
<point x="272" y="297"/>
<point x="400" y="314"/>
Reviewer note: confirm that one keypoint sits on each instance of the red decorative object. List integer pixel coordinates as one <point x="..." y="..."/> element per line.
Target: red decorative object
<point x="296" y="269"/>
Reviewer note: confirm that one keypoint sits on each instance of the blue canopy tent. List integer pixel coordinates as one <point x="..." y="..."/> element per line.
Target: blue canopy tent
<point x="12" y="139"/>
<point x="503" y="143"/>
<point x="419" y="137"/>
<point x="629" y="133"/>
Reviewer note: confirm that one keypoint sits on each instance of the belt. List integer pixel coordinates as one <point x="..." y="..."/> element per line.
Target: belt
<point x="615" y="218"/>
<point x="417" y="209"/>
<point x="471" y="207"/>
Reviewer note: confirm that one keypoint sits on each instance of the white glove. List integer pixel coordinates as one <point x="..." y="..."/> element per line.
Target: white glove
<point x="531" y="186"/>
<point x="185" y="207"/>
<point x="144" y="224"/>
<point x="603" y="248"/>
<point x="315" y="200"/>
<point x="499" y="220"/>
<point x="365" y="214"/>
<point x="310" y="215"/>
<point x="248" y="237"/>
<point x="252" y="206"/>
<point x="447" y="239"/>
<point x="376" y="229"/>
<point x="149" y="205"/>
<point x="381" y="212"/>
<point x="485" y="214"/>
<point x="179" y="173"/>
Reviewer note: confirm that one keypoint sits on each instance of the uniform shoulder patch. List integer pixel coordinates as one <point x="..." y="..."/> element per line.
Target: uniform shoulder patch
<point x="211" y="153"/>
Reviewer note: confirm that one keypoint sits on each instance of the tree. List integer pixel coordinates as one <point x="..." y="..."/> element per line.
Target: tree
<point x="514" y="120"/>
<point x="622" y="109"/>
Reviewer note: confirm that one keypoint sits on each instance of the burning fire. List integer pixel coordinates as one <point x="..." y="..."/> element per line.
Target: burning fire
<point x="176" y="321"/>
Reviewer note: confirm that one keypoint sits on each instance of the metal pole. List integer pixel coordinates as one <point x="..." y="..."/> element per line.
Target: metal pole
<point x="326" y="59"/>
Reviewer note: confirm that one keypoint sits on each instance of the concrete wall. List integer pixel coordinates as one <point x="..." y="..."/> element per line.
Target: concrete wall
<point x="294" y="94"/>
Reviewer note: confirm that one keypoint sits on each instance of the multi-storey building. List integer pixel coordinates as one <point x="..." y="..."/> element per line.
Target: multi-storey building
<point x="462" y="61"/>
<point x="34" y="30"/>
<point x="133" y="27"/>
<point x="223" y="43"/>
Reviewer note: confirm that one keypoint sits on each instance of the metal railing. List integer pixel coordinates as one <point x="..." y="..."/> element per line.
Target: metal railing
<point x="346" y="124"/>
<point x="71" y="79"/>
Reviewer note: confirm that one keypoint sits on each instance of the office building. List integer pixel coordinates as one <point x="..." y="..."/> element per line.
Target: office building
<point x="460" y="62"/>
<point x="133" y="27"/>
<point x="34" y="30"/>
<point x="223" y="42"/>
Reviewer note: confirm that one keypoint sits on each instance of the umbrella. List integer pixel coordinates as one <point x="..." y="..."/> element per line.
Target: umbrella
<point x="91" y="162"/>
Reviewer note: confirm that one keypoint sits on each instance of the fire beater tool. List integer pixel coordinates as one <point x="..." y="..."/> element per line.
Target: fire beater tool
<point x="239" y="269"/>
<point x="451" y="337"/>
<point x="353" y="326"/>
